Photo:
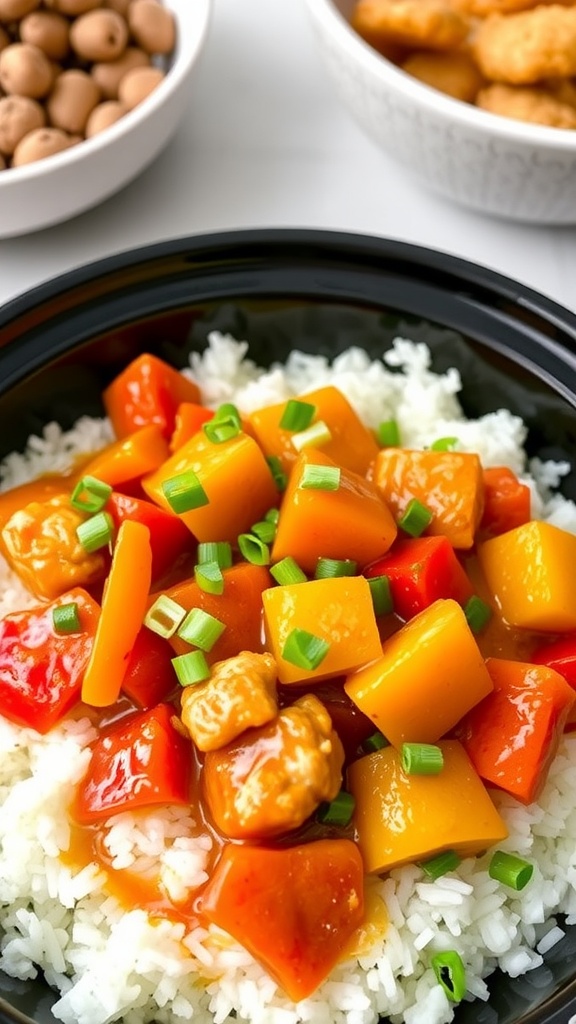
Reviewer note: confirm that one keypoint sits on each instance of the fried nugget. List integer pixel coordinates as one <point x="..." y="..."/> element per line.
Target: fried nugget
<point x="484" y="8"/>
<point x="454" y="73"/>
<point x="426" y="24"/>
<point x="527" y="103"/>
<point x="521" y="49"/>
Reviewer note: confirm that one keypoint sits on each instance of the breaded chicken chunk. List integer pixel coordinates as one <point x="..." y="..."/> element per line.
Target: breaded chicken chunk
<point x="484" y="8"/>
<point x="428" y="24"/>
<point x="526" y="103"/>
<point x="453" y="73"/>
<point x="525" y="48"/>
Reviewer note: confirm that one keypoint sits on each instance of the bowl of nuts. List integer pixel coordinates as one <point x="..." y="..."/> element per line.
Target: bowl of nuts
<point x="90" y="93"/>
<point x="475" y="98"/>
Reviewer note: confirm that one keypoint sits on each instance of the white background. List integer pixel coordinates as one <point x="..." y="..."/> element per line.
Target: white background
<point x="266" y="143"/>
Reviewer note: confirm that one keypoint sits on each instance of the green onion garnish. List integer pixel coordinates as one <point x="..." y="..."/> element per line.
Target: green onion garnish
<point x="96" y="532"/>
<point x="201" y="629"/>
<point x="219" y="551"/>
<point x="510" y="870"/>
<point x="220" y="430"/>
<point x="253" y="549"/>
<point x="450" y="973"/>
<point x="264" y="530"/>
<point x="287" y="571"/>
<point x="375" y="742"/>
<point x="381" y="595"/>
<point x="304" y="649"/>
<point x="415" y="518"/>
<point x="388" y="434"/>
<point x="90" y="494"/>
<point x="314" y="437"/>
<point x="437" y="866"/>
<point x="228" y="411"/>
<point x="280" y="477"/>
<point x="66" y="618"/>
<point x="191" y="668"/>
<point x="477" y="612"/>
<point x="320" y="478"/>
<point x="164" y="616"/>
<point x="208" y="576"/>
<point x="297" y="415"/>
<point x="272" y="516"/>
<point x="422" y="759"/>
<point x="444" y="444"/>
<point x="339" y="811"/>
<point x="184" y="492"/>
<point x="330" y="568"/>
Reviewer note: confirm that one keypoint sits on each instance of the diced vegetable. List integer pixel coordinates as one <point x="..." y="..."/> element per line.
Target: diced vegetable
<point x="169" y="537"/>
<point x="129" y="458"/>
<point x="429" y="674"/>
<point x="149" y="677"/>
<point x="510" y="870"/>
<point x="421" y="571"/>
<point x="402" y="818"/>
<point x="450" y="484"/>
<point x="448" y="967"/>
<point x="506" y="501"/>
<point x="262" y="897"/>
<point x="147" y="391"/>
<point x="337" y="611"/>
<point x="513" y="734"/>
<point x="143" y="761"/>
<point x="560" y="655"/>
<point x="41" y="669"/>
<point x="190" y="418"/>
<point x="526" y="571"/>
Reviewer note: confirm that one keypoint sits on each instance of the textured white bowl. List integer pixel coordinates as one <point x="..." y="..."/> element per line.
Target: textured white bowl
<point x="493" y="164"/>
<point x="61" y="186"/>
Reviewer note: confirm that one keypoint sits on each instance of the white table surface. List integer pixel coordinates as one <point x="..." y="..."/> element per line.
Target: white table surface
<point x="265" y="143"/>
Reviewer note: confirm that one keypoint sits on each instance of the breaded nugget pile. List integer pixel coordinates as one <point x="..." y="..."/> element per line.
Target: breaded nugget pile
<point x="516" y="58"/>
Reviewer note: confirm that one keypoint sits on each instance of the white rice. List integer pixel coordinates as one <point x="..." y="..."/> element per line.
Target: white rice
<point x="110" y="964"/>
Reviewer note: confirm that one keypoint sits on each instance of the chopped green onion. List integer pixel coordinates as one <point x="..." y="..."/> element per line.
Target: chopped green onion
<point x="288" y="571"/>
<point x="304" y="649"/>
<point x="441" y="864"/>
<point x="422" y="759"/>
<point x="228" y="411"/>
<point x="339" y="811"/>
<point x="297" y="415"/>
<point x="314" y="437"/>
<point x="510" y="870"/>
<point x="201" y="629"/>
<point x="164" y="616"/>
<point x="90" y="494"/>
<point x="280" y="477"/>
<point x="477" y="612"/>
<point x="415" y="518"/>
<point x="381" y="595"/>
<point x="264" y="530"/>
<point x="66" y="619"/>
<point x="330" y="568"/>
<point x="272" y="516"/>
<point x="219" y="551"/>
<point x="184" y="492"/>
<point x="375" y="742"/>
<point x="450" y="973"/>
<point x="388" y="434"/>
<point x="191" y="668"/>
<point x="96" y="532"/>
<point x="320" y="478"/>
<point x="253" y="549"/>
<point x="208" y="576"/>
<point x="444" y="444"/>
<point x="220" y="430"/>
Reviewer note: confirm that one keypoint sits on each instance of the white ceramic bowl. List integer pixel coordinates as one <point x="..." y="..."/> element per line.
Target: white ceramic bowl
<point x="59" y="187"/>
<point x="493" y="164"/>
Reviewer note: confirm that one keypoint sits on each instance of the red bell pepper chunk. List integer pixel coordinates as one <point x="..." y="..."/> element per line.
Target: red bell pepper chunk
<point x="169" y="537"/>
<point x="147" y="391"/>
<point x="40" y="669"/>
<point x="293" y="909"/>
<point x="421" y="571"/>
<point x="506" y="501"/>
<point x="150" y="675"/>
<point x="140" y="762"/>
<point x="560" y="655"/>
<point x="512" y="735"/>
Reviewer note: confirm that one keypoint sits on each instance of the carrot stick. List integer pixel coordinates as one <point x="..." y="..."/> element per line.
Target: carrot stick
<point x="123" y="609"/>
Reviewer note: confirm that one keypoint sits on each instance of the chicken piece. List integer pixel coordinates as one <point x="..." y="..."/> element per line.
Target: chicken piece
<point x="240" y="694"/>
<point x="427" y="24"/>
<point x="484" y="8"/>
<point x="525" y="103"/>
<point x="521" y="49"/>
<point x="273" y="778"/>
<point x="453" y="73"/>
<point x="41" y="545"/>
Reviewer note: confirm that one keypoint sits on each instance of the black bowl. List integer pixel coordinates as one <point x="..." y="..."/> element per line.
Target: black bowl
<point x="321" y="292"/>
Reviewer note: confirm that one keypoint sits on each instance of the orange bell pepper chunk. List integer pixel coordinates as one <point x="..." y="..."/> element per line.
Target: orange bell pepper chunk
<point x="123" y="609"/>
<point x="293" y="909"/>
<point x="190" y="416"/>
<point x="147" y="391"/>
<point x="506" y="501"/>
<point x="131" y="457"/>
